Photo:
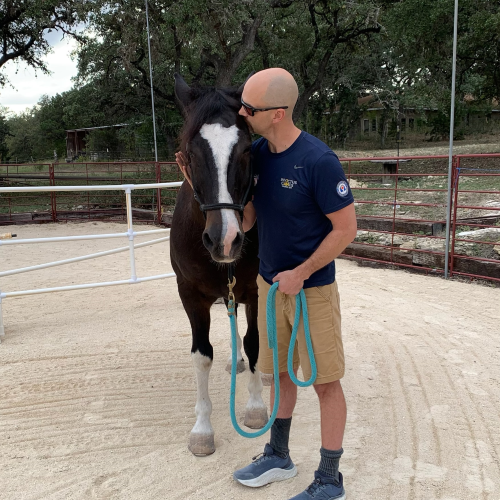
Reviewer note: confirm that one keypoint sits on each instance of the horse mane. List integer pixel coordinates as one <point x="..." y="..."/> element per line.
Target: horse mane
<point x="206" y="104"/>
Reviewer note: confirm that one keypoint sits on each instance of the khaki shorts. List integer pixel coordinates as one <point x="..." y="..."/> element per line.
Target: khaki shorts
<point x="323" y="306"/>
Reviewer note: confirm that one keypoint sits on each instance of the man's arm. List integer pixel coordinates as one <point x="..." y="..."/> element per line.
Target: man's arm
<point x="344" y="231"/>
<point x="249" y="216"/>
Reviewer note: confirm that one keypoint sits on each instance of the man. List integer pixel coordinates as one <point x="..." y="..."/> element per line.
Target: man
<point x="305" y="216"/>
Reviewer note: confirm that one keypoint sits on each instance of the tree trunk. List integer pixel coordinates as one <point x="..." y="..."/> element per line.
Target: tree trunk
<point x="227" y="68"/>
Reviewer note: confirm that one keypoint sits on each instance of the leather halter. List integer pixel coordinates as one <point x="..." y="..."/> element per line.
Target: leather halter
<point x="239" y="207"/>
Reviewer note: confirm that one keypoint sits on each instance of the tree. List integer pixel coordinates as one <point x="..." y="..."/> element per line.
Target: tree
<point x="4" y="133"/>
<point x="24" y="22"/>
<point x="24" y="143"/>
<point x="219" y="42"/>
<point x="319" y="37"/>
<point x="420" y="54"/>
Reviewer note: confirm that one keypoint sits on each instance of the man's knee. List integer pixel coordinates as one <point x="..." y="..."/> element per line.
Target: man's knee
<point x="323" y="390"/>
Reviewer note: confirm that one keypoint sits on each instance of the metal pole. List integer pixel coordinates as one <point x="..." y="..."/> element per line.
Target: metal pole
<point x="128" y="195"/>
<point x="151" y="79"/>
<point x="452" y="128"/>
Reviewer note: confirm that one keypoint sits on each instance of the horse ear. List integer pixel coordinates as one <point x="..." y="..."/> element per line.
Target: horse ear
<point x="240" y="89"/>
<point x="182" y="91"/>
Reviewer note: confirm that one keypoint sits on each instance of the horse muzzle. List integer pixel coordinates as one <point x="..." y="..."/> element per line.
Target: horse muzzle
<point x="223" y="236"/>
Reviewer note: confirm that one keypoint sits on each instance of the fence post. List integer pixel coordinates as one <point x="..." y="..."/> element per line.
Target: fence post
<point x="453" y="216"/>
<point x="158" y="194"/>
<point x="394" y="210"/>
<point x="53" y="198"/>
<point x="128" y="202"/>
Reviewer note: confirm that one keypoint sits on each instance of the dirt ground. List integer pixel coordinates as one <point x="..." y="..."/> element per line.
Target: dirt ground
<point x="98" y="390"/>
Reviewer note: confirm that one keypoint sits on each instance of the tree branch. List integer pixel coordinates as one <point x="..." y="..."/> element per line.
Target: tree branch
<point x="145" y="79"/>
<point x="20" y="52"/>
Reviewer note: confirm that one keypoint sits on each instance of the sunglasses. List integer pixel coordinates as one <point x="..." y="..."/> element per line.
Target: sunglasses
<point x="250" y="110"/>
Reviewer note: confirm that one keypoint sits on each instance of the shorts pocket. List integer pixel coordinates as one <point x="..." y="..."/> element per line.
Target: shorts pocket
<point x="324" y="292"/>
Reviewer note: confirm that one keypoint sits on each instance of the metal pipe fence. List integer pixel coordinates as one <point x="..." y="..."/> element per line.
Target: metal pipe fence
<point x="153" y="206"/>
<point x="402" y="213"/>
<point x="401" y="204"/>
<point x="130" y="234"/>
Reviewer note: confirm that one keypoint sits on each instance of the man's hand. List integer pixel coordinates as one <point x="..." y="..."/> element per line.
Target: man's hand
<point x="182" y="161"/>
<point x="290" y="281"/>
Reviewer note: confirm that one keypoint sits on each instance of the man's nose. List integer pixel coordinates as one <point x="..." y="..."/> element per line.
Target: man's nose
<point x="242" y="111"/>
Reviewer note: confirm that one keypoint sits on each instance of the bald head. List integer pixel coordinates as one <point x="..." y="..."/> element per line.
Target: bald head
<point x="272" y="87"/>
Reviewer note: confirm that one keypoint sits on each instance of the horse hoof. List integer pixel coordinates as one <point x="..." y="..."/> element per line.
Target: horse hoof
<point x="201" y="445"/>
<point x="256" y="418"/>
<point x="240" y="366"/>
<point x="267" y="379"/>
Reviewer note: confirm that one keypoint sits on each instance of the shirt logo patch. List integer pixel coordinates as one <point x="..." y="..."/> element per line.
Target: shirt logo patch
<point x="288" y="183"/>
<point x="342" y="188"/>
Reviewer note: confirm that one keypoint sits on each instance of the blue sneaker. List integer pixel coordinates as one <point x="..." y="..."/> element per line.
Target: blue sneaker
<point x="323" y="488"/>
<point x="266" y="468"/>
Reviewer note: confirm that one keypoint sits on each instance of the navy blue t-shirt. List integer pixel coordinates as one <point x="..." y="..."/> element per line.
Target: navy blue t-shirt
<point x="293" y="192"/>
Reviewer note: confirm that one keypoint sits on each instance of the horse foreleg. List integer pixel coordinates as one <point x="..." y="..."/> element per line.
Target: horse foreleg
<point x="240" y="362"/>
<point x="256" y="411"/>
<point x="201" y="439"/>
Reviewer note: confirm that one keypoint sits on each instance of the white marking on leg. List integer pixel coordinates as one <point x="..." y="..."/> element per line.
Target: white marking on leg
<point x="203" y="408"/>
<point x="255" y="391"/>
<point x="221" y="141"/>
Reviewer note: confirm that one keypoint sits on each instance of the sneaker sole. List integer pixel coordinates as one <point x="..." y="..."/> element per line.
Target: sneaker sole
<point x="269" y="476"/>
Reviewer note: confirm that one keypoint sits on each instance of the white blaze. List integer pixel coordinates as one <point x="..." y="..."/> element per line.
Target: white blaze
<point x="221" y="141"/>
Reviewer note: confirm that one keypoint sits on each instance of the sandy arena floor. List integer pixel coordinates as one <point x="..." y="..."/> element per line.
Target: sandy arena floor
<point x="97" y="389"/>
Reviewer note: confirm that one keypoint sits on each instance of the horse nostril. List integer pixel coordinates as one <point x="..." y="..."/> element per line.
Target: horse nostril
<point x="237" y="240"/>
<point x="207" y="241"/>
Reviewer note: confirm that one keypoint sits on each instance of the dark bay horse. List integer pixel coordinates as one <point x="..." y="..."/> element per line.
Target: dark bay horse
<point x="207" y="235"/>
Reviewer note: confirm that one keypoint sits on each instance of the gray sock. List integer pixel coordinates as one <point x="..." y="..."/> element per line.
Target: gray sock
<point x="280" y="432"/>
<point x="329" y="465"/>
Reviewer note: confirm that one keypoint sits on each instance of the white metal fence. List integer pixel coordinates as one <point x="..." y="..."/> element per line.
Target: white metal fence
<point x="130" y="234"/>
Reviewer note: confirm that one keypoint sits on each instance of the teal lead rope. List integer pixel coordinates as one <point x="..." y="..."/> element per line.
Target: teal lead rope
<point x="300" y="305"/>
<point x="272" y="340"/>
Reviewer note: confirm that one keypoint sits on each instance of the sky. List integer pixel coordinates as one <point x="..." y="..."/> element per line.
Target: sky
<point x="28" y="87"/>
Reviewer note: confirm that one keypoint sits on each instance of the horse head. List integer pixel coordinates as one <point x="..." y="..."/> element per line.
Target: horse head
<point x="217" y="142"/>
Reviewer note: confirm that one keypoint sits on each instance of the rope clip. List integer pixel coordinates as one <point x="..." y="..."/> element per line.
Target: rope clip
<point x="230" y="297"/>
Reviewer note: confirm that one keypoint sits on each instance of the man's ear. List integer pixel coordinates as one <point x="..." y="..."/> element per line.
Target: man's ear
<point x="240" y="89"/>
<point x="279" y="114"/>
<point x="182" y="91"/>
